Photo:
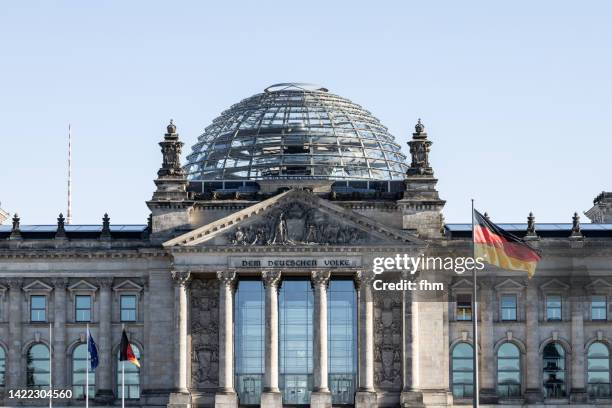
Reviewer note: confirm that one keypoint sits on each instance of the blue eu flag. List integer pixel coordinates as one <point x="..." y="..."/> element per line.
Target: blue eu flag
<point x="93" y="351"/>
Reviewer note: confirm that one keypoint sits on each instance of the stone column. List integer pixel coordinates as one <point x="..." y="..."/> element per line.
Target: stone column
<point x="410" y="396"/>
<point x="271" y="396"/>
<point x="104" y="392"/>
<point x="14" y="373"/>
<point x="577" y="391"/>
<point x="180" y="398"/>
<point x="488" y="395"/>
<point x="321" y="396"/>
<point x="59" y="333"/>
<point x="533" y="392"/>
<point x="226" y="395"/>
<point x="366" y="395"/>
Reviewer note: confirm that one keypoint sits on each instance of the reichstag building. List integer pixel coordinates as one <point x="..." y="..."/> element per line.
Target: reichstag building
<point x="251" y="283"/>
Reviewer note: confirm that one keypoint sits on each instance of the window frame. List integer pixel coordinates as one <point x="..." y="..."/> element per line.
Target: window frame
<point x="3" y="359"/>
<point x="121" y="309"/>
<point x="137" y="349"/>
<point x="502" y="308"/>
<point x="453" y="370"/>
<point x="460" y="317"/>
<point x="604" y="308"/>
<point x="547" y="308"/>
<point x="72" y="373"/>
<point x="76" y="308"/>
<point x="519" y="371"/>
<point x="45" y="309"/>
<point x="27" y="368"/>
<point x="564" y="370"/>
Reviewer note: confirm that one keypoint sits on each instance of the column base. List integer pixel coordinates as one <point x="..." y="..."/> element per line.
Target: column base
<point x="578" y="395"/>
<point x="226" y="399"/>
<point x="179" y="400"/>
<point x="271" y="399"/>
<point x="488" y="396"/>
<point x="533" y="395"/>
<point x="104" y="397"/>
<point x="437" y="398"/>
<point x="320" y="399"/>
<point x="411" y="399"/>
<point x="366" y="399"/>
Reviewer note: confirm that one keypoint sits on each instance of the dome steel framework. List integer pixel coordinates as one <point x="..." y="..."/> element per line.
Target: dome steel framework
<point x="296" y="130"/>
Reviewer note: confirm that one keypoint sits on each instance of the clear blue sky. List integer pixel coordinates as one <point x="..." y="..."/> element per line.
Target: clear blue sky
<point x="517" y="96"/>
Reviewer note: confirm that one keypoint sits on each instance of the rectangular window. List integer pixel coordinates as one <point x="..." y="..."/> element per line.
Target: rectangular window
<point x="38" y="308"/>
<point x="508" y="307"/>
<point x="82" y="308"/>
<point x="464" y="307"/>
<point x="553" y="307"/>
<point x="598" y="308"/>
<point x="128" y="308"/>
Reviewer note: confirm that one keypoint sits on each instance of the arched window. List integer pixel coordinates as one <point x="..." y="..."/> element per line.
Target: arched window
<point x="132" y="376"/>
<point x="79" y="371"/>
<point x="463" y="370"/>
<point x="598" y="370"/>
<point x="37" y="372"/>
<point x="2" y="367"/>
<point x="508" y="371"/>
<point x="553" y="368"/>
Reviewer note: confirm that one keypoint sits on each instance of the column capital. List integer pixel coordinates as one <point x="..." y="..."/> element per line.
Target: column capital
<point x="319" y="278"/>
<point x="227" y="277"/>
<point x="105" y="283"/>
<point x="363" y="278"/>
<point x="60" y="283"/>
<point x="271" y="279"/>
<point x="181" y="278"/>
<point x="14" y="283"/>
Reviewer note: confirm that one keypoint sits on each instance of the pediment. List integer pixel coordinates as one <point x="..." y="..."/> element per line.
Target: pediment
<point x="127" y="286"/>
<point x="597" y="284"/>
<point x="463" y="284"/>
<point x="294" y="218"/>
<point x="554" y="284"/>
<point x="38" y="286"/>
<point x="509" y="284"/>
<point x="82" y="285"/>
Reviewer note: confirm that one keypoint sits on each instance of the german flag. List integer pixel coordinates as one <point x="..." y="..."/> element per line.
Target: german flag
<point x="500" y="248"/>
<point x="126" y="353"/>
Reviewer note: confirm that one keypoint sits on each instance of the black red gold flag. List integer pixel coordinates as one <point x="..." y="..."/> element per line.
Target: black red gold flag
<point x="126" y="353"/>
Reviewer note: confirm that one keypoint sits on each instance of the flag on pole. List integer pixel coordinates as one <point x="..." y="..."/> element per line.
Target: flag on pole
<point x="500" y="248"/>
<point x="93" y="351"/>
<point x="126" y="353"/>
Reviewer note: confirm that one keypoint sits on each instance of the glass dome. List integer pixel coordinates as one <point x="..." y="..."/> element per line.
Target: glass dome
<point x="300" y="131"/>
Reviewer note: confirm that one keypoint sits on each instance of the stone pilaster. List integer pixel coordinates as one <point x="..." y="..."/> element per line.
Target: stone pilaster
<point x="533" y="392"/>
<point x="59" y="333"/>
<point x="271" y="396"/>
<point x="577" y="391"/>
<point x="104" y="392"/>
<point x="14" y="373"/>
<point x="488" y="394"/>
<point x="366" y="395"/>
<point x="180" y="398"/>
<point x="321" y="396"/>
<point x="226" y="395"/>
<point x="410" y="396"/>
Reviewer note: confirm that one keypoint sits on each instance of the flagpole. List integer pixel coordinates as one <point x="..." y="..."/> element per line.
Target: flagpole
<point x="87" y="371"/>
<point x="476" y="398"/>
<point x="122" y="376"/>
<point x="50" y="365"/>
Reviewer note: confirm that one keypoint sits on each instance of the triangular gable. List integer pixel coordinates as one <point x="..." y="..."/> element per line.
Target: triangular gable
<point x="463" y="284"/>
<point x="294" y="217"/>
<point x="597" y="284"/>
<point x="82" y="285"/>
<point x="509" y="284"/>
<point x="127" y="285"/>
<point x="37" y="286"/>
<point x="554" y="284"/>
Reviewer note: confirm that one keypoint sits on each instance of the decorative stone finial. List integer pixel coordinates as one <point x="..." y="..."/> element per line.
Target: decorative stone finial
<point x="16" y="222"/>
<point x="419" y="127"/>
<point x="531" y="232"/>
<point x="106" y="233"/>
<point x="61" y="230"/>
<point x="171" y="127"/>
<point x="576" y="231"/>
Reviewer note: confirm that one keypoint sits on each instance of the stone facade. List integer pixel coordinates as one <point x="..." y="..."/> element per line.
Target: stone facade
<point x="183" y="267"/>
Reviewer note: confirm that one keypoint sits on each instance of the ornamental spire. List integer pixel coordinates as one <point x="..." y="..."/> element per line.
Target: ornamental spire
<point x="61" y="229"/>
<point x="576" y="230"/>
<point x="419" y="150"/>
<point x="171" y="178"/>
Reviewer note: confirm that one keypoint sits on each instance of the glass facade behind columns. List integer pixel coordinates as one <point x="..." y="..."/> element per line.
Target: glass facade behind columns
<point x="342" y="340"/>
<point x="249" y="341"/>
<point x="296" y="303"/>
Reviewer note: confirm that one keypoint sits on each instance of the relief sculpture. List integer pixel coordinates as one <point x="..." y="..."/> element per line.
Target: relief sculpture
<point x="388" y="341"/>
<point x="204" y="333"/>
